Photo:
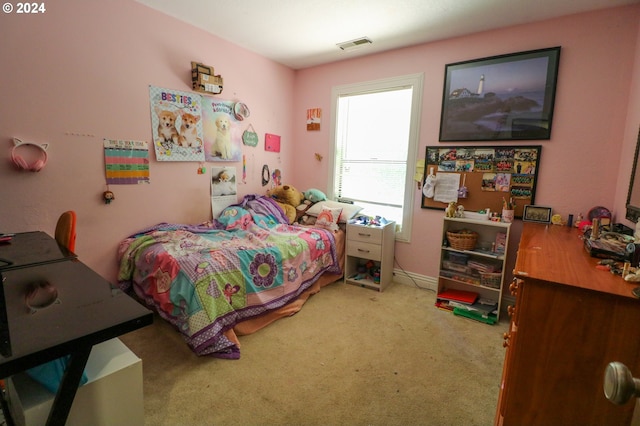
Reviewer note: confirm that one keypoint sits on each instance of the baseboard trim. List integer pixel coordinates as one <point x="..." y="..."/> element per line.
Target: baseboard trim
<point x="415" y="280"/>
<point x="507" y="300"/>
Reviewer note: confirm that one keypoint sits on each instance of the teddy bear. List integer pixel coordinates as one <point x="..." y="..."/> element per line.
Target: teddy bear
<point x="288" y="198"/>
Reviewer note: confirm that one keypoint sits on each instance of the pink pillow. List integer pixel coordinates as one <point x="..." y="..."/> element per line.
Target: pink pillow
<point x="328" y="218"/>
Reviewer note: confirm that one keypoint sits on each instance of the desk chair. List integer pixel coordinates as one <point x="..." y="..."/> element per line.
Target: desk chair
<point x="66" y="230"/>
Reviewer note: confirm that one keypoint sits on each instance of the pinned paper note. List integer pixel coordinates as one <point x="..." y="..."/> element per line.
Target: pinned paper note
<point x="446" y="189"/>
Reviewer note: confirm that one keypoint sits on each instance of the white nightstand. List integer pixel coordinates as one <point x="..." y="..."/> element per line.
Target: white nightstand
<point x="370" y="244"/>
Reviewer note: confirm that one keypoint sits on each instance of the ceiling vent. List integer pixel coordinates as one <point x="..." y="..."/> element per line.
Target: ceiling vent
<point x="354" y="44"/>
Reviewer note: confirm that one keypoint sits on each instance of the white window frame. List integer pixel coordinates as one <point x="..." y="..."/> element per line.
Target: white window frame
<point x="414" y="81"/>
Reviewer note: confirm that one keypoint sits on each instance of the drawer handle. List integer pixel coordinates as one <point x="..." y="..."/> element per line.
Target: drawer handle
<point x="506" y="338"/>
<point x="364" y="235"/>
<point x="363" y="251"/>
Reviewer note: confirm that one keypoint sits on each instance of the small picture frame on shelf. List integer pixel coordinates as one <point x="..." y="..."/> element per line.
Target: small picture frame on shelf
<point x="537" y="214"/>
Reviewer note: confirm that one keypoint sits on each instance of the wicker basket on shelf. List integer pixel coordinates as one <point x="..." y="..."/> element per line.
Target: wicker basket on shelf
<point x="462" y="240"/>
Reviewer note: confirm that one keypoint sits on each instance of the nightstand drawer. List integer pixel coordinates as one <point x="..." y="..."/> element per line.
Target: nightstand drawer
<point x="364" y="250"/>
<point x="365" y="234"/>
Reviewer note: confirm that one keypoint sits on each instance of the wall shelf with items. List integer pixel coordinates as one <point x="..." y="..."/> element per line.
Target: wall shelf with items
<point x="472" y="268"/>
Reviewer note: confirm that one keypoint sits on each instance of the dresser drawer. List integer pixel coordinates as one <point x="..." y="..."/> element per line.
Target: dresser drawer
<point x="364" y="250"/>
<point x="364" y="234"/>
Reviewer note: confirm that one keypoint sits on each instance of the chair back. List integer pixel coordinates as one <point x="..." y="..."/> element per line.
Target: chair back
<point x="66" y="230"/>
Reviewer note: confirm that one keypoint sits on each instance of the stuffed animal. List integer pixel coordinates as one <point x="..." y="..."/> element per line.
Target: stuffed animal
<point x="450" y="211"/>
<point x="288" y="198"/>
<point x="314" y="195"/>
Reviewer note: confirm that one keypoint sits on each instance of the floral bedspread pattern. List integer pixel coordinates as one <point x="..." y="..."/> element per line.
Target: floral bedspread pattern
<point x="205" y="279"/>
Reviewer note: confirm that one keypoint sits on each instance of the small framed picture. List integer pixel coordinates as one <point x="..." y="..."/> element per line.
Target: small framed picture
<point x="537" y="214"/>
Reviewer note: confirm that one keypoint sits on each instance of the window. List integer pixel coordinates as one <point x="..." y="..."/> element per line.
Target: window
<point x="375" y="141"/>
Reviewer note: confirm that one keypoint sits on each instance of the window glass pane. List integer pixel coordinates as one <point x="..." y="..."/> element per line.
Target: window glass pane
<point x="376" y="125"/>
<point x="377" y="182"/>
<point x="373" y="146"/>
<point x="388" y="212"/>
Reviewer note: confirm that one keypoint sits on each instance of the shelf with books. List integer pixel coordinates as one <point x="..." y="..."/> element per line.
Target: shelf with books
<point x="466" y="280"/>
<point x="478" y="252"/>
<point x="478" y="270"/>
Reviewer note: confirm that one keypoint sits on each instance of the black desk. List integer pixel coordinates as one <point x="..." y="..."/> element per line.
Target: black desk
<point x="88" y="310"/>
<point x="31" y="248"/>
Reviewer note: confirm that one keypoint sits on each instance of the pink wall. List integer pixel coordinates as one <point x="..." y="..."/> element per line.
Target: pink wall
<point x="80" y="73"/>
<point x="84" y="68"/>
<point x="578" y="165"/>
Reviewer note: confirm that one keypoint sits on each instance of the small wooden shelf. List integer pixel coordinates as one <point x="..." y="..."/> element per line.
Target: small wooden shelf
<point x="469" y="270"/>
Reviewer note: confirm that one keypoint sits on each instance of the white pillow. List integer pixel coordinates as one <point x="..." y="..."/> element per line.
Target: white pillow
<point x="348" y="210"/>
<point x="328" y="218"/>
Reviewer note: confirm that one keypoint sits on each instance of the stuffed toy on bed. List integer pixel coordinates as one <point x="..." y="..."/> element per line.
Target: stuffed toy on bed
<point x="314" y="195"/>
<point x="288" y="198"/>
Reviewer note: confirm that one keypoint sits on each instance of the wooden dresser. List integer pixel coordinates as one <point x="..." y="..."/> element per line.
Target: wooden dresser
<point x="569" y="321"/>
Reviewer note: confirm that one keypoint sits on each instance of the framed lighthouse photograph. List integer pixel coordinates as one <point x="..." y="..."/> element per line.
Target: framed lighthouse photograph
<point x="506" y="97"/>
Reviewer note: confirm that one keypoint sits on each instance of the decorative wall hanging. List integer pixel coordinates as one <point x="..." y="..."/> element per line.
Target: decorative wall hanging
<point x="250" y="137"/>
<point x="314" y="117"/>
<point x="276" y="177"/>
<point x="108" y="196"/>
<point x="221" y="129"/>
<point x="204" y="80"/>
<point x="506" y="97"/>
<point x="271" y="142"/>
<point x="266" y="176"/>
<point x="489" y="175"/>
<point x="126" y="162"/>
<point x="176" y="125"/>
<point x="244" y="169"/>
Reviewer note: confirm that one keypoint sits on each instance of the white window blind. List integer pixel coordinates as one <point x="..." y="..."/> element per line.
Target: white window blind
<point x="372" y="149"/>
<point x="375" y="129"/>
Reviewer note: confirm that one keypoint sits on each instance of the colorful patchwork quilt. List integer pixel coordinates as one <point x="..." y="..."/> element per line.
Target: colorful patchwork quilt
<point x="205" y="279"/>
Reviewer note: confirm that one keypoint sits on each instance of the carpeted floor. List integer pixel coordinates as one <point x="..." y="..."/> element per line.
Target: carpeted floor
<point x="352" y="356"/>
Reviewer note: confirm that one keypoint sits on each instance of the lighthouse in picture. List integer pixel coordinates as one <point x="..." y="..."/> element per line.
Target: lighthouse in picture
<point x="481" y="85"/>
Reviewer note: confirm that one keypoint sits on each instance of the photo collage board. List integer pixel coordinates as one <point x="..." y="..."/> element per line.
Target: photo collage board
<point x="488" y="176"/>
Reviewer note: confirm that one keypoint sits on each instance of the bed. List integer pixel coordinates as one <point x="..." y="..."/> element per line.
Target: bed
<point x="233" y="276"/>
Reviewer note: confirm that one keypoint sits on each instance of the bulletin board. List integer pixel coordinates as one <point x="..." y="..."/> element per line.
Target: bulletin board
<point x="491" y="175"/>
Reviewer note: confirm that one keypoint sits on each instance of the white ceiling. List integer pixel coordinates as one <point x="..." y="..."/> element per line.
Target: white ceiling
<point x="304" y="33"/>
